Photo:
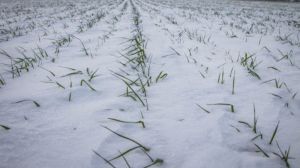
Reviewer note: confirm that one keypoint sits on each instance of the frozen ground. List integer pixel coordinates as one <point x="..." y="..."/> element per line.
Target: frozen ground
<point x="214" y="83"/>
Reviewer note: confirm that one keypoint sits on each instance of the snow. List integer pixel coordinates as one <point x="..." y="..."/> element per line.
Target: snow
<point x="194" y="43"/>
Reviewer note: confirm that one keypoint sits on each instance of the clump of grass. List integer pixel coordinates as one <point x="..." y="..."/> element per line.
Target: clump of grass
<point x="24" y="62"/>
<point x="250" y="62"/>
<point x="285" y="156"/>
<point x="130" y="92"/>
<point x="84" y="49"/>
<point x="62" y="41"/>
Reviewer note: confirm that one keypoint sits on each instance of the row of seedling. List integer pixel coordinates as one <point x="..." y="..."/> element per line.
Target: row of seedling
<point x="24" y="62"/>
<point x="136" y="59"/>
<point x="113" y="22"/>
<point x="137" y="77"/>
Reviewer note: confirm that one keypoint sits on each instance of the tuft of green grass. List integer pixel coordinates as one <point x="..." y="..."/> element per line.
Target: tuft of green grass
<point x="134" y="92"/>
<point x="285" y="156"/>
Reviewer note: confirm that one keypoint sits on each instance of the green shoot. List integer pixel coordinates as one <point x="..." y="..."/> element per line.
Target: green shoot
<point x="224" y="104"/>
<point x="125" y="160"/>
<point x="284" y="155"/>
<point x="161" y="76"/>
<point x="83" y="81"/>
<point x="34" y="102"/>
<point x="5" y="127"/>
<point x="274" y="133"/>
<point x="60" y="85"/>
<point x="130" y="122"/>
<point x="261" y="150"/>
<point x="124" y="153"/>
<point x="233" y="83"/>
<point x="107" y="161"/>
<point x="255" y="119"/>
<point x="203" y="108"/>
<point x="122" y="136"/>
<point x="157" y="161"/>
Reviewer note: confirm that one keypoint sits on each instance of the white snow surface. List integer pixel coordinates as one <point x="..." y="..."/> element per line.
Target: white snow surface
<point x="199" y="113"/>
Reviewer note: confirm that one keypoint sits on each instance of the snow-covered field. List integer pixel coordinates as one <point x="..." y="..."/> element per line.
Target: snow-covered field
<point x="149" y="83"/>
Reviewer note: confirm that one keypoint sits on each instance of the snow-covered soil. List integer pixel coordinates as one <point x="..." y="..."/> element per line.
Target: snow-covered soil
<point x="149" y="83"/>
